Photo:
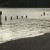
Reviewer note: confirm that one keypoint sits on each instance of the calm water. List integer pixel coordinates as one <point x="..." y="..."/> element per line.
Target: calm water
<point x="22" y="28"/>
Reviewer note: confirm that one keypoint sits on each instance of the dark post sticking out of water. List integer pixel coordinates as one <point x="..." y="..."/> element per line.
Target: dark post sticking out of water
<point x="17" y="17"/>
<point x="41" y="14"/>
<point x="26" y="16"/>
<point x="22" y="17"/>
<point x="11" y="18"/>
<point x="5" y="18"/>
<point x="44" y="13"/>
<point x="47" y="14"/>
<point x="0" y="17"/>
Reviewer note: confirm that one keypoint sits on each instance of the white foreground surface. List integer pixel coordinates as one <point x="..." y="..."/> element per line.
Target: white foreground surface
<point x="23" y="28"/>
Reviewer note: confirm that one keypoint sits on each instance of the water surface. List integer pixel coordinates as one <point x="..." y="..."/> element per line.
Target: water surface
<point x="22" y="28"/>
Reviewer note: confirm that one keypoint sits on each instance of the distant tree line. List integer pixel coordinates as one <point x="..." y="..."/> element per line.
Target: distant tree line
<point x="24" y="3"/>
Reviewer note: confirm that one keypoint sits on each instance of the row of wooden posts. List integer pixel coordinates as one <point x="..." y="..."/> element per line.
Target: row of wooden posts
<point x="21" y="17"/>
<point x="12" y="17"/>
<point x="6" y="17"/>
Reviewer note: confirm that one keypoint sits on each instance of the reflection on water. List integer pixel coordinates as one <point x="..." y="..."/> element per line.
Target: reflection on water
<point x="22" y="28"/>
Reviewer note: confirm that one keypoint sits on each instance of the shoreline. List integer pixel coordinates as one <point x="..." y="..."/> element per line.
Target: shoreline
<point x="41" y="42"/>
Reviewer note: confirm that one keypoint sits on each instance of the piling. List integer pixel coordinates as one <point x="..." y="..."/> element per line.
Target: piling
<point x="11" y="18"/>
<point x="5" y="18"/>
<point x="41" y="14"/>
<point x="26" y="16"/>
<point x="0" y="17"/>
<point x="17" y="17"/>
<point x="47" y="14"/>
<point x="22" y="17"/>
<point x="44" y="13"/>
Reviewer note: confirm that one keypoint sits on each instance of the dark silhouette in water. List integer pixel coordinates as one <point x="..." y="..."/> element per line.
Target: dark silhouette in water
<point x="17" y="17"/>
<point x="5" y="18"/>
<point x="11" y="17"/>
<point x="41" y="14"/>
<point x="0" y="17"/>
<point x="22" y="17"/>
<point x="26" y="16"/>
<point x="47" y="14"/>
<point x="44" y="13"/>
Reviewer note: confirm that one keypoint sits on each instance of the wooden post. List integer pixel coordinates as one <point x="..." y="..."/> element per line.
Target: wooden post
<point x="0" y="17"/>
<point x="5" y="18"/>
<point x="17" y="17"/>
<point x="41" y="14"/>
<point x="44" y="13"/>
<point x="26" y="16"/>
<point x="22" y="17"/>
<point x="11" y="17"/>
<point x="47" y="14"/>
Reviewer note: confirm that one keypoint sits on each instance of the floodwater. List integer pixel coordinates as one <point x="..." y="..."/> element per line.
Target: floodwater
<point x="21" y="28"/>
